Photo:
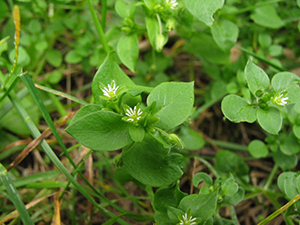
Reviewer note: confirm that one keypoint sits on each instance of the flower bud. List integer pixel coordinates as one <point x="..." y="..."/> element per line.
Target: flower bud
<point x="159" y="42"/>
<point x="170" y="24"/>
<point x="176" y="140"/>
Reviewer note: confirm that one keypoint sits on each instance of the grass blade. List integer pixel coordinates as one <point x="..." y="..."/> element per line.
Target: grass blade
<point x="14" y="196"/>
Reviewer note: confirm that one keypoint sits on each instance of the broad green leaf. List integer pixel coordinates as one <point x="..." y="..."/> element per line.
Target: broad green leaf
<point x="151" y="164"/>
<point x="228" y="162"/>
<point x="256" y="77"/>
<point x="175" y="99"/>
<point x="203" y="10"/>
<point x="192" y="140"/>
<point x="258" y="149"/>
<point x="286" y="81"/>
<point x="298" y="3"/>
<point x="73" y="57"/>
<point x="124" y="9"/>
<point x="285" y="162"/>
<point x="275" y="50"/>
<point x="205" y="47"/>
<point x="107" y="72"/>
<point x="137" y="133"/>
<point x="236" y="109"/>
<point x="201" y="176"/>
<point x="296" y="130"/>
<point x="225" y="34"/>
<point x="24" y="58"/>
<point x="235" y="198"/>
<point x="285" y="176"/>
<point x="128" y="50"/>
<point x="151" y="3"/>
<point x="152" y="29"/>
<point x="201" y="205"/>
<point x="269" y="119"/>
<point x="168" y="196"/>
<point x="290" y="188"/>
<point x="264" y="39"/>
<point x="267" y="16"/>
<point x="54" y="57"/>
<point x="229" y="187"/>
<point x="289" y="145"/>
<point x="98" y="129"/>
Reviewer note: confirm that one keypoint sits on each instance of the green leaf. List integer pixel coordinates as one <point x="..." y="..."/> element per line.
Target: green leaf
<point x="227" y="162"/>
<point x="24" y="58"/>
<point x="173" y="98"/>
<point x="152" y="29"/>
<point x="192" y="140"/>
<point x="73" y="57"/>
<point x="201" y="205"/>
<point x="205" y="47"/>
<point x="203" y="10"/>
<point x="258" y="149"/>
<point x="168" y="196"/>
<point x="285" y="162"/>
<point x="98" y="129"/>
<point x="289" y="145"/>
<point x="54" y="57"/>
<point x="296" y="130"/>
<point x="107" y="72"/>
<point x="266" y="16"/>
<point x="236" y="109"/>
<point x="256" y="77"/>
<point x="225" y="34"/>
<point x="264" y="40"/>
<point x="124" y="9"/>
<point x="151" y="164"/>
<point x="201" y="176"/>
<point x="298" y="3"/>
<point x="128" y="50"/>
<point x="235" y="198"/>
<point x="229" y="187"/>
<point x="137" y="133"/>
<point x="285" y="176"/>
<point x="269" y="119"/>
<point x="286" y="81"/>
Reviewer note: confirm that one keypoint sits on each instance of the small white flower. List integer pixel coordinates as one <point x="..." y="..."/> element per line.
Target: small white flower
<point x="172" y="3"/>
<point x="133" y="114"/>
<point x="110" y="90"/>
<point x="280" y="100"/>
<point x="187" y="221"/>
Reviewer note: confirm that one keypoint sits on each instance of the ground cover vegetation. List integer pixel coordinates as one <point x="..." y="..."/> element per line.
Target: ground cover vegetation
<point x="149" y="112"/>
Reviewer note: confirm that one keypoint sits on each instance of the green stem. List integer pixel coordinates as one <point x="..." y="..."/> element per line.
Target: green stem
<point x="280" y="210"/>
<point x="212" y="169"/>
<point x="271" y="177"/>
<point x="260" y="58"/>
<point x="159" y="23"/>
<point x="233" y="215"/>
<point x="99" y="28"/>
<point x="103" y="16"/>
<point x="230" y="146"/>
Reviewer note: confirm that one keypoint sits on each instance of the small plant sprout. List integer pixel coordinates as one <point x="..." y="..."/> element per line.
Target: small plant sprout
<point x="280" y="100"/>
<point x="187" y="219"/>
<point x="172" y="3"/>
<point x="109" y="92"/>
<point x="132" y="114"/>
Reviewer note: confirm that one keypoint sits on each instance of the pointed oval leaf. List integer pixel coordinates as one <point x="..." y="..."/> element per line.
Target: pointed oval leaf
<point x="258" y="149"/>
<point x="201" y="205"/>
<point x="256" y="78"/>
<point x="225" y="34"/>
<point x="267" y="16"/>
<point x="151" y="164"/>
<point x="236" y="109"/>
<point x="172" y="98"/>
<point x="107" y="72"/>
<point x="128" y="50"/>
<point x="270" y="119"/>
<point x="99" y="130"/>
<point x="203" y="10"/>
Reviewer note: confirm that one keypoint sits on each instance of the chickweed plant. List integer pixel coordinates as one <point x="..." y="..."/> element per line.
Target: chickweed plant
<point x="108" y="111"/>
